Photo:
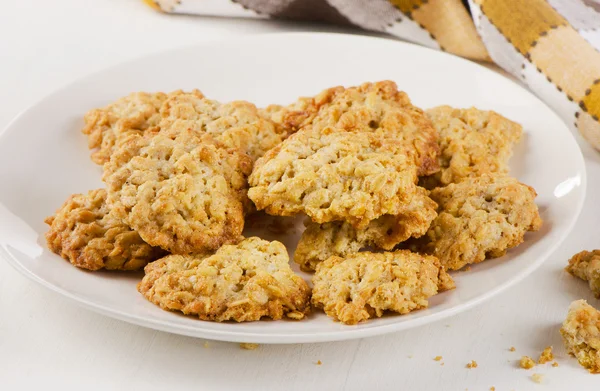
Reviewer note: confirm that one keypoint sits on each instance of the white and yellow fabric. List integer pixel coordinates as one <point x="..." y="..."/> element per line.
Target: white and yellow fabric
<point x="552" y="46"/>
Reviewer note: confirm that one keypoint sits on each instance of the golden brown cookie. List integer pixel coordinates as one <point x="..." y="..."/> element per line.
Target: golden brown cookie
<point x="237" y="124"/>
<point x="472" y="142"/>
<point x="183" y="193"/>
<point x="134" y="113"/>
<point x="273" y="113"/>
<point x="480" y="217"/>
<point x="371" y="107"/>
<point x="334" y="175"/>
<point x="581" y="334"/>
<point x="365" y="285"/>
<point x="586" y="265"/>
<point x="243" y="282"/>
<point x="293" y="116"/>
<point x="321" y="241"/>
<point x="86" y="233"/>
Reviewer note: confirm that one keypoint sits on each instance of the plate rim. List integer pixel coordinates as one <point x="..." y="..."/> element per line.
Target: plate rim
<point x="328" y="336"/>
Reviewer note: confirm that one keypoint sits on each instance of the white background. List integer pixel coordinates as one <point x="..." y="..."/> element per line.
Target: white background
<point x="47" y="342"/>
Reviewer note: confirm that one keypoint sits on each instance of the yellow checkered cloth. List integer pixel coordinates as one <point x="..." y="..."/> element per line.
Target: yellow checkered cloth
<point x="552" y="46"/>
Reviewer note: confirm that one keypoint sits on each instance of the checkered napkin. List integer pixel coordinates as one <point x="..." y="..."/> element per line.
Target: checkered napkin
<point x="550" y="45"/>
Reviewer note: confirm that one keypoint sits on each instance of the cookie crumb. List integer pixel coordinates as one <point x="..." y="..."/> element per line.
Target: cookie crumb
<point x="537" y="377"/>
<point x="527" y="362"/>
<point x="581" y="332"/>
<point x="248" y="346"/>
<point x="437" y="358"/>
<point x="546" y="356"/>
<point x="512" y="349"/>
<point x="319" y="362"/>
<point x="492" y="388"/>
<point x="296" y="315"/>
<point x="206" y="345"/>
<point x="472" y="364"/>
<point x="554" y="364"/>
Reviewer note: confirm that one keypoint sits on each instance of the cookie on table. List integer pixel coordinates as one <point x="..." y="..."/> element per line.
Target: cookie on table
<point x="237" y="124"/>
<point x="364" y="285"/>
<point x="321" y="241"/>
<point x="371" y="107"/>
<point x="86" y="233"/>
<point x="334" y="175"/>
<point x="479" y="218"/>
<point x="134" y="113"/>
<point x="581" y="334"/>
<point x="472" y="142"/>
<point x="183" y="193"/>
<point x="243" y="282"/>
<point x="586" y="265"/>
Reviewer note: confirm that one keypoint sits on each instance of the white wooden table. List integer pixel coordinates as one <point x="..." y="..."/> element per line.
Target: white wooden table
<point x="47" y="342"/>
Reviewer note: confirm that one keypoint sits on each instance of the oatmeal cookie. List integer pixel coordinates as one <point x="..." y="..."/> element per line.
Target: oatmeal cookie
<point x="334" y="175"/>
<point x="243" y="282"/>
<point x="183" y="193"/>
<point x="273" y="113"/>
<point x="286" y="116"/>
<point x="371" y="107"/>
<point x="134" y="113"/>
<point x="321" y="241"/>
<point x="472" y="142"/>
<point x="586" y="265"/>
<point x="364" y="285"/>
<point x="581" y="334"/>
<point x="236" y="124"/>
<point x="480" y="217"/>
<point x="86" y="233"/>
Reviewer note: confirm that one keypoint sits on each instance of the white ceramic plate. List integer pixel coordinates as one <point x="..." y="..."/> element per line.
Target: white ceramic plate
<point x="44" y="158"/>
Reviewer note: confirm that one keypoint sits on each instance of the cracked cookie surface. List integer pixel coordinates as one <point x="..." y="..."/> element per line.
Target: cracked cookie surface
<point x="86" y="233"/>
<point x="334" y="175"/>
<point x="183" y="193"/>
<point x="321" y="241"/>
<point x="243" y="282"/>
<point x="236" y="124"/>
<point x="132" y="114"/>
<point x="472" y="142"/>
<point x="365" y="285"/>
<point x="378" y="108"/>
<point x="480" y="217"/>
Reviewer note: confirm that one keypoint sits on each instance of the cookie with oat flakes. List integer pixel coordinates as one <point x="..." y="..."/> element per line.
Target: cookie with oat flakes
<point x="378" y="108"/>
<point x="183" y="192"/>
<point x="134" y="113"/>
<point x="236" y="124"/>
<point x="321" y="241"/>
<point x="85" y="232"/>
<point x="365" y="285"/>
<point x="472" y="142"/>
<point x="243" y="282"/>
<point x="586" y="265"/>
<point x="334" y="175"/>
<point x="581" y="334"/>
<point x="480" y="217"/>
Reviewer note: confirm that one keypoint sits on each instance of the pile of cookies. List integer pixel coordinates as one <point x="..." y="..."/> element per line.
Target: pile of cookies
<point x="395" y="198"/>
